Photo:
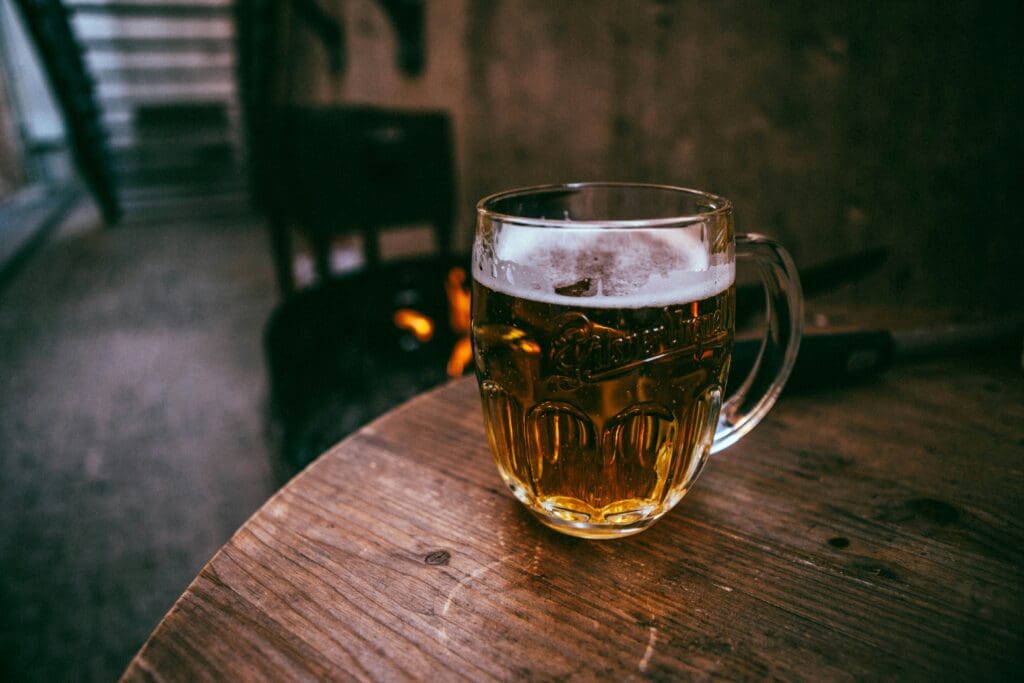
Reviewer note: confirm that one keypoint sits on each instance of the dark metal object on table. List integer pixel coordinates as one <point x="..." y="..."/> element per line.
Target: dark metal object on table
<point x="829" y="359"/>
<point x="833" y="357"/>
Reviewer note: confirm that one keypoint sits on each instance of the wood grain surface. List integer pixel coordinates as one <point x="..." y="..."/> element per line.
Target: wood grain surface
<point x="871" y="532"/>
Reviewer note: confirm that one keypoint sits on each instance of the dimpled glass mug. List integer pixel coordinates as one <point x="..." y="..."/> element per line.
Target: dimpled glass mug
<point x="602" y="326"/>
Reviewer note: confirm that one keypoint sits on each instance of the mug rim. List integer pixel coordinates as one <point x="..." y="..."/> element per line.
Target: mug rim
<point x="720" y="206"/>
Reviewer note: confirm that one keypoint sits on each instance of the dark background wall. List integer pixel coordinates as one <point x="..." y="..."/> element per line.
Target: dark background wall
<point x="832" y="126"/>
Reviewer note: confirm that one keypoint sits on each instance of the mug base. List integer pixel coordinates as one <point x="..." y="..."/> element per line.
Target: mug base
<point x="594" y="531"/>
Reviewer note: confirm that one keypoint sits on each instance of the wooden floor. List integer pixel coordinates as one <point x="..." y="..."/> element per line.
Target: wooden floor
<point x="133" y="438"/>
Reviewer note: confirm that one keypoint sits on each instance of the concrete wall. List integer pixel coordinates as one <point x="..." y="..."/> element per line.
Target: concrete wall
<point x="832" y="126"/>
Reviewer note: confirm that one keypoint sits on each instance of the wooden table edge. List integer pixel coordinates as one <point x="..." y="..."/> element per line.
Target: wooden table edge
<point x="138" y="660"/>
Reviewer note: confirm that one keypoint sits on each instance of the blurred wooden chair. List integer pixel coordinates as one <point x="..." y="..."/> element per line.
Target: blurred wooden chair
<point x="355" y="344"/>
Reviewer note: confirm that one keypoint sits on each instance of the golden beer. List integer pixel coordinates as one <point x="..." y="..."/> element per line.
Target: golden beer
<point x="600" y="408"/>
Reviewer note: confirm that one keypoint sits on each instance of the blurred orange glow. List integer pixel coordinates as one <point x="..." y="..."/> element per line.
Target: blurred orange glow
<point x="458" y="317"/>
<point x="458" y="300"/>
<point x="462" y="355"/>
<point x="420" y="325"/>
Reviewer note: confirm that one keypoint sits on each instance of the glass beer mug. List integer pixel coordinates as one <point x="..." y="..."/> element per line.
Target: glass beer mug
<point x="602" y="326"/>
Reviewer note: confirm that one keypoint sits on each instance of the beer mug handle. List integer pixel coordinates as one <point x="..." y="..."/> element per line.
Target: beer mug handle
<point x="784" y="314"/>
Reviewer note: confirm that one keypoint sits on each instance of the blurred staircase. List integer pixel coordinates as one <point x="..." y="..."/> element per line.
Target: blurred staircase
<point x="164" y="74"/>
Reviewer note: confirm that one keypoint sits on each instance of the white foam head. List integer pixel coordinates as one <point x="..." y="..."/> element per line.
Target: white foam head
<point x="605" y="268"/>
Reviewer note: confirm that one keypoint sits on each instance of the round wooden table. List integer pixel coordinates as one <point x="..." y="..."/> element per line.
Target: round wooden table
<point x="869" y="532"/>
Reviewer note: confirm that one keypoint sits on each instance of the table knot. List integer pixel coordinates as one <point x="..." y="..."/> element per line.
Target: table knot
<point x="437" y="557"/>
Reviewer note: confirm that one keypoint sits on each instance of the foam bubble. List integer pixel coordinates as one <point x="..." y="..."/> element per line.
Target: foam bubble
<point x="603" y="268"/>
